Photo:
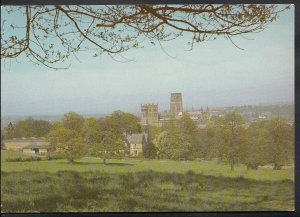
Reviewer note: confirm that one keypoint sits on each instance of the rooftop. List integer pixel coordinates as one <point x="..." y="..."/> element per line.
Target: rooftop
<point x="23" y="139"/>
<point x="136" y="138"/>
<point x="36" y="146"/>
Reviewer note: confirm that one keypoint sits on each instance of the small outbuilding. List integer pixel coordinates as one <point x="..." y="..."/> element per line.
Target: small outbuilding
<point x="36" y="149"/>
<point x="17" y="144"/>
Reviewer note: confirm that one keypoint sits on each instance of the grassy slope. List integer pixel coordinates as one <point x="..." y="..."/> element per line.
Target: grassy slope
<point x="130" y="165"/>
<point x="140" y="191"/>
<point x="132" y="185"/>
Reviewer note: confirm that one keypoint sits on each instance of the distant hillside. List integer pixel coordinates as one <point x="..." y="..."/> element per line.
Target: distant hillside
<point x="51" y="118"/>
<point x="286" y="111"/>
<point x="6" y="119"/>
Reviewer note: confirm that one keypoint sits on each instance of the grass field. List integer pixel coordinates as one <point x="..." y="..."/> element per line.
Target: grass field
<point x="141" y="185"/>
<point x="207" y="168"/>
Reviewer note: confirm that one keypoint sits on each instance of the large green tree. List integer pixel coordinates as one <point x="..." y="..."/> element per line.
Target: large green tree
<point x="50" y="34"/>
<point x="90" y="132"/>
<point x="152" y="134"/>
<point x="67" y="143"/>
<point x="174" y="144"/>
<point x="232" y="138"/>
<point x="270" y="142"/>
<point x="124" y="123"/>
<point x="281" y="144"/>
<point x="257" y="150"/>
<point x="27" y="128"/>
<point x="67" y="137"/>
<point x="106" y="136"/>
<point x="188" y="127"/>
<point x="108" y="145"/>
<point x="208" y="143"/>
<point x="73" y="121"/>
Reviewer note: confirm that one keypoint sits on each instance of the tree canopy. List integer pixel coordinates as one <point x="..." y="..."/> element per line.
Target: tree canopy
<point x="67" y="143"/>
<point x="50" y="34"/>
<point x="174" y="144"/>
<point x="27" y="128"/>
<point x="228" y="139"/>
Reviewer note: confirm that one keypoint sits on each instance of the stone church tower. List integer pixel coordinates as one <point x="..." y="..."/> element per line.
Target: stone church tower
<point x="149" y="114"/>
<point x="176" y="104"/>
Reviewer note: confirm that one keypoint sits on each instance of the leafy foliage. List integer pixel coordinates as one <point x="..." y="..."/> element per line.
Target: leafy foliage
<point x="108" y="145"/>
<point x="73" y="121"/>
<point x="50" y="34"/>
<point x="257" y="149"/>
<point x="281" y="146"/>
<point x="231" y="137"/>
<point x="27" y="128"/>
<point x="122" y="122"/>
<point x="227" y="139"/>
<point x="67" y="138"/>
<point x="67" y="142"/>
<point x="174" y="144"/>
<point x="106" y="137"/>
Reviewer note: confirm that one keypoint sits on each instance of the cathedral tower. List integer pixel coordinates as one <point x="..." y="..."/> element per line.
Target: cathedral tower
<point x="149" y="114"/>
<point x="176" y="104"/>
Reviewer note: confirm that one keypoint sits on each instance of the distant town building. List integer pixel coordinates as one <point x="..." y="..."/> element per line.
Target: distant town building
<point x="262" y="116"/>
<point x="265" y="115"/>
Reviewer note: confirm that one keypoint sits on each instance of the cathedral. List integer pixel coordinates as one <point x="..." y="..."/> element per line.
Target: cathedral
<point x="151" y="116"/>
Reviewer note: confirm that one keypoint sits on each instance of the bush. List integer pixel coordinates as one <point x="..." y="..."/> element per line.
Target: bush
<point x="55" y="156"/>
<point x="14" y="159"/>
<point x="252" y="165"/>
<point x="24" y="159"/>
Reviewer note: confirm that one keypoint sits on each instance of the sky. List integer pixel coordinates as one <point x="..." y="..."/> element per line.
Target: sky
<point x="214" y="73"/>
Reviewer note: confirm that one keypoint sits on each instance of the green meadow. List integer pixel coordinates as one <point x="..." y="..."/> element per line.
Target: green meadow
<point x="141" y="185"/>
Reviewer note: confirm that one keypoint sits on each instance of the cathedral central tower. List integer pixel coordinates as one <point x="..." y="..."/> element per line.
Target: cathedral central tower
<point x="176" y="104"/>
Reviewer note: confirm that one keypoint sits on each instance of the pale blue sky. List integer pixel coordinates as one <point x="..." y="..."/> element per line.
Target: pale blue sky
<point x="214" y="73"/>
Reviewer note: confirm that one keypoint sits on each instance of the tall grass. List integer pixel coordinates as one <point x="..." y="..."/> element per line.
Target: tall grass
<point x="66" y="191"/>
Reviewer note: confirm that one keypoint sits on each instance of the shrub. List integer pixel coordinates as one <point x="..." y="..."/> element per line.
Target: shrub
<point x="24" y="159"/>
<point x="14" y="159"/>
<point x="55" y="156"/>
<point x="252" y="165"/>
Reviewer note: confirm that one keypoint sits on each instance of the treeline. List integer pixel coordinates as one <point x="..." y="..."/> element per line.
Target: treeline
<point x="75" y="137"/>
<point x="27" y="128"/>
<point x="227" y="139"/>
<point x="285" y="111"/>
